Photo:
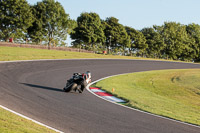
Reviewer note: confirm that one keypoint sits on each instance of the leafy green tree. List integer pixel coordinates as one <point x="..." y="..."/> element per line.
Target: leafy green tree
<point x="177" y="40"/>
<point x="116" y="35"/>
<point x="138" y="41"/>
<point x="15" y="18"/>
<point x="51" y="22"/>
<point x="155" y="42"/>
<point x="193" y="31"/>
<point x="89" y="31"/>
<point x="36" y="32"/>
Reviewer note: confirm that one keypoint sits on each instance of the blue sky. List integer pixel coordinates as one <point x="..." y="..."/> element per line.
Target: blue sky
<point x="136" y="13"/>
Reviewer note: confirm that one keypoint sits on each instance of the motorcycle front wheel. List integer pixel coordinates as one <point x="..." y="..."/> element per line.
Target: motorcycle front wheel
<point x="70" y="87"/>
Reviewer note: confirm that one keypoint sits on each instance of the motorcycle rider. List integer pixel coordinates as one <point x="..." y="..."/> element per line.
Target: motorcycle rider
<point x="78" y="82"/>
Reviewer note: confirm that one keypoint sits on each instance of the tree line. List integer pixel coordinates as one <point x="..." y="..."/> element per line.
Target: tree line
<point x="47" y="22"/>
<point x="44" y="22"/>
<point x="171" y="40"/>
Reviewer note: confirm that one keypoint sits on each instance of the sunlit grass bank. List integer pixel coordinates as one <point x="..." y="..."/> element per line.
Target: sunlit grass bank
<point x="170" y="93"/>
<point x="11" y="123"/>
<point x="17" y="53"/>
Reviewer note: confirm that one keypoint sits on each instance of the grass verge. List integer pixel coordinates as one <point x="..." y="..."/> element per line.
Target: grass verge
<point x="17" y="53"/>
<point x="170" y="93"/>
<point x="11" y="123"/>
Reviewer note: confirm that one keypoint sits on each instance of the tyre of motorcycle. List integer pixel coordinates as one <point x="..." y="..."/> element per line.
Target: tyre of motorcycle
<point x="70" y="87"/>
<point x="67" y="89"/>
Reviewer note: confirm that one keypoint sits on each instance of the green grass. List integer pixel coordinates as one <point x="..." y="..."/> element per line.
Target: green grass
<point x="170" y="93"/>
<point x="17" y="53"/>
<point x="11" y="123"/>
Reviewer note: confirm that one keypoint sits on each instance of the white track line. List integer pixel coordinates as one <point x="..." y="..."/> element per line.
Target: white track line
<point x="30" y="119"/>
<point x="134" y="108"/>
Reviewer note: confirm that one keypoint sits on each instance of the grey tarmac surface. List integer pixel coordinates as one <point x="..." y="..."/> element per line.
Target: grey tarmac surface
<point x="34" y="89"/>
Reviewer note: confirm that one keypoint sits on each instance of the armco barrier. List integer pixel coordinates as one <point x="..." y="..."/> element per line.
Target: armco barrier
<point x="44" y="47"/>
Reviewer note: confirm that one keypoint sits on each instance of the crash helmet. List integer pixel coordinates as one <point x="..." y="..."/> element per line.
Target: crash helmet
<point x="75" y="75"/>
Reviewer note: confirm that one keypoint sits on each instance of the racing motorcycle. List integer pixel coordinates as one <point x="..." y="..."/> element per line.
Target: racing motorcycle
<point x="78" y="82"/>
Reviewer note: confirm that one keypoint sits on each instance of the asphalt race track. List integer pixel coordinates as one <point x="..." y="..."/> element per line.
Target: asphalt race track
<point x="34" y="89"/>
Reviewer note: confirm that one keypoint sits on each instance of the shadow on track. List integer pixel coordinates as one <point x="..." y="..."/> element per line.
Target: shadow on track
<point x="42" y="87"/>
